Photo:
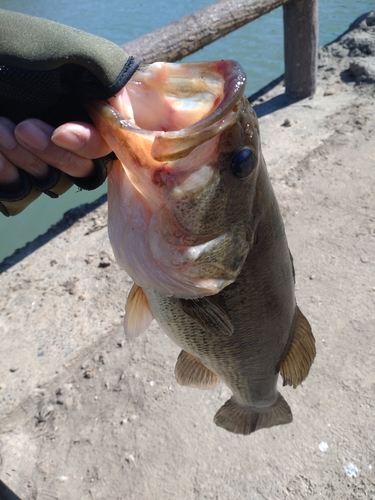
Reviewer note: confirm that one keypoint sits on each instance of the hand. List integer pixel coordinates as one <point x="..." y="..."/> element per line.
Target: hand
<point x="32" y="145"/>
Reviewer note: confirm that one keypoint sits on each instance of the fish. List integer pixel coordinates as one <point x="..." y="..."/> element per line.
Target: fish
<point x="193" y="219"/>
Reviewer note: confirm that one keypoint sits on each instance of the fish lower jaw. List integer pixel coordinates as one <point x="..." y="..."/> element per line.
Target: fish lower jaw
<point x="178" y="280"/>
<point x="185" y="281"/>
<point x="173" y="282"/>
<point x="190" y="272"/>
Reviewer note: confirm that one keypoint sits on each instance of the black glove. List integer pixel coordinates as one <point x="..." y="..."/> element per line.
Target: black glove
<point x="46" y="70"/>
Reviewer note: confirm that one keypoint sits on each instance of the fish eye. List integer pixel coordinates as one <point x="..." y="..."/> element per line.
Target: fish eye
<point x="243" y="162"/>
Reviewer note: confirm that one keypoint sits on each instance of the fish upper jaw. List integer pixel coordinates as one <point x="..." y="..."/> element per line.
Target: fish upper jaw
<point x="177" y="106"/>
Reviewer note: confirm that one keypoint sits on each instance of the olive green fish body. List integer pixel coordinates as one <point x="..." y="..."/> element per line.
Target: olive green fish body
<point x="194" y="221"/>
<point x="261" y="307"/>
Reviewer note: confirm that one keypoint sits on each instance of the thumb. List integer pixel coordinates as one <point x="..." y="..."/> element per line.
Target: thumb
<point x="81" y="138"/>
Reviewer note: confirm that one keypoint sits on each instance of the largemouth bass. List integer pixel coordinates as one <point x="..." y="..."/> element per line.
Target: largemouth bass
<point x="193" y="219"/>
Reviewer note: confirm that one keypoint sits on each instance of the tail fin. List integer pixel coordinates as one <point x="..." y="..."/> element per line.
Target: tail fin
<point x="245" y="420"/>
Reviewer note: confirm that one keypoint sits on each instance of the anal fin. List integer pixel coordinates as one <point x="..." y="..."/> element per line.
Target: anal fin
<point x="138" y="315"/>
<point x="245" y="420"/>
<point x="296" y="363"/>
<point x="191" y="372"/>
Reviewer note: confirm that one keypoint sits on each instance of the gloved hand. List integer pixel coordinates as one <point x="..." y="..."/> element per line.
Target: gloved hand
<point x="46" y="71"/>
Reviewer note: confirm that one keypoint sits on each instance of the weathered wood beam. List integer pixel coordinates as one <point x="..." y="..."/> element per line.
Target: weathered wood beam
<point x="189" y="34"/>
<point x="301" y="47"/>
<point x="186" y="36"/>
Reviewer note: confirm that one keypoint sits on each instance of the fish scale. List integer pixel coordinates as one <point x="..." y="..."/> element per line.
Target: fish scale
<point x="207" y="249"/>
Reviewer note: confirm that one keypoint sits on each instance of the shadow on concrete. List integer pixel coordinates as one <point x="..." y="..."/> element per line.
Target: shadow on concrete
<point x="69" y="218"/>
<point x="6" y="493"/>
<point x="275" y="103"/>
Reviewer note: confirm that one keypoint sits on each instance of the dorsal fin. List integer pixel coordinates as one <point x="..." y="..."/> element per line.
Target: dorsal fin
<point x="301" y="352"/>
<point x="192" y="372"/>
<point x="209" y="314"/>
<point x="138" y="315"/>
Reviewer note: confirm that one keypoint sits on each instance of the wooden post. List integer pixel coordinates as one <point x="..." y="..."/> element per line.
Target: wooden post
<point x="301" y="47"/>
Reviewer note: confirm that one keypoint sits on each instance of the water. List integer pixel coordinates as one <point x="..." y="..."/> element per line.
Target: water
<point x="258" y="46"/>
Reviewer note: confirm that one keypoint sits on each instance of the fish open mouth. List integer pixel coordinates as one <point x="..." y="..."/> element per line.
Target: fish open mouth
<point x="177" y="106"/>
<point x="165" y="225"/>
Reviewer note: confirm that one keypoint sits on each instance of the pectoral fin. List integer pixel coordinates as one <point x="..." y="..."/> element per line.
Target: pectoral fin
<point x="209" y="314"/>
<point x="300" y="354"/>
<point x="191" y="372"/>
<point x="138" y="315"/>
<point x="245" y="420"/>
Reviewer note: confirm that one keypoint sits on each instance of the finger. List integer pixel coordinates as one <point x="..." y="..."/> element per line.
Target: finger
<point x="16" y="154"/>
<point x="35" y="135"/>
<point x="8" y="172"/>
<point x="82" y="139"/>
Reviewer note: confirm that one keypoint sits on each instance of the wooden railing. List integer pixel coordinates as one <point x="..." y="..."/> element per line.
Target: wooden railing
<point x="177" y="40"/>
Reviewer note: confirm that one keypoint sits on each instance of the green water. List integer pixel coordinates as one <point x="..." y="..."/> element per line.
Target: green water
<point x="257" y="46"/>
